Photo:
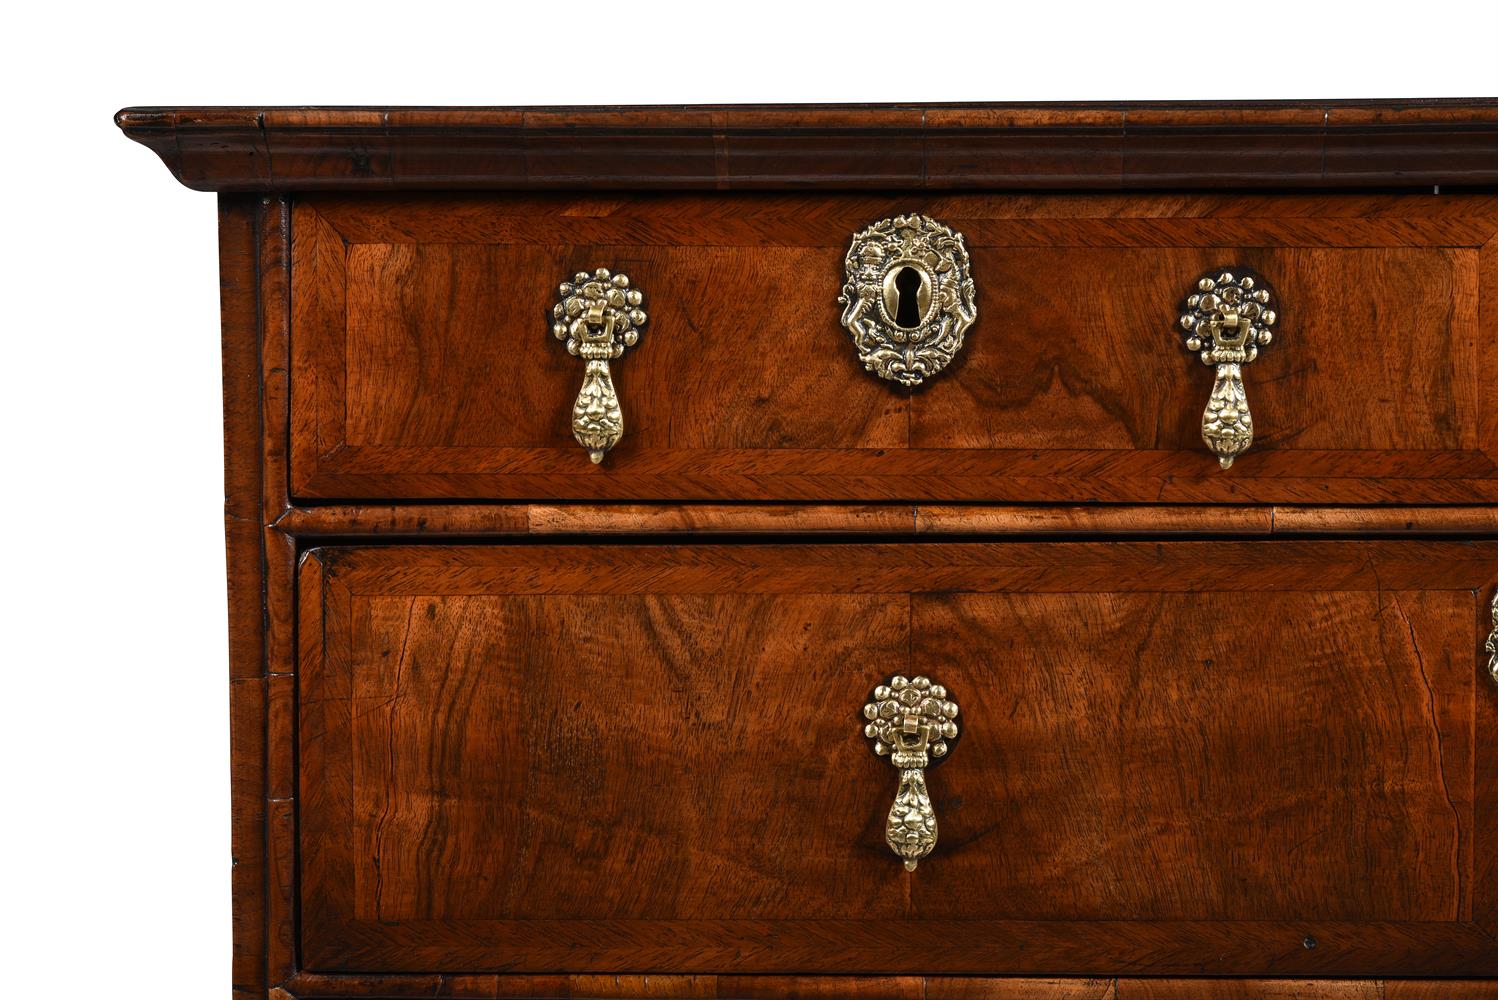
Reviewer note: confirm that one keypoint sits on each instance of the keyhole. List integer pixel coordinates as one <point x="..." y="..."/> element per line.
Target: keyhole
<point x="908" y="284"/>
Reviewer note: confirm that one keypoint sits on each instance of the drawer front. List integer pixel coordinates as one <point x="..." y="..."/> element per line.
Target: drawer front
<point x="424" y="364"/>
<point x="1271" y="758"/>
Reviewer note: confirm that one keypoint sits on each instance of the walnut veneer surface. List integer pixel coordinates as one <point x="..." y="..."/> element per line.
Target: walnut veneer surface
<point x="510" y="724"/>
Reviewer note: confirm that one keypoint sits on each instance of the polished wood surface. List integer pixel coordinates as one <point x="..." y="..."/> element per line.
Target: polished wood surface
<point x="1307" y="144"/>
<point x="450" y="521"/>
<point x="516" y="758"/>
<point x="655" y="987"/>
<point x="423" y="367"/>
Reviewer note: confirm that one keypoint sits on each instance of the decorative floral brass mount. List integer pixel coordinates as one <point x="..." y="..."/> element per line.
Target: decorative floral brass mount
<point x="1492" y="644"/>
<point x="1227" y="319"/>
<point x="911" y="721"/>
<point x="598" y="316"/>
<point x="908" y="297"/>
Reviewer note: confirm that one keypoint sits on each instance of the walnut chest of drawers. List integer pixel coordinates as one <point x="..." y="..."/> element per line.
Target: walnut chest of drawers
<point x="931" y="552"/>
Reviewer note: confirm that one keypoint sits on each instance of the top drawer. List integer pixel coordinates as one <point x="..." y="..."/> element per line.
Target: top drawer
<point x="424" y="365"/>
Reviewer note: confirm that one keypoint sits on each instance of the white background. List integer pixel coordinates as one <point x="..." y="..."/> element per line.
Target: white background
<point x="114" y="835"/>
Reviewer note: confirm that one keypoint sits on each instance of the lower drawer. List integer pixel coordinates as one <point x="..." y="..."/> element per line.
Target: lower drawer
<point x="1230" y="758"/>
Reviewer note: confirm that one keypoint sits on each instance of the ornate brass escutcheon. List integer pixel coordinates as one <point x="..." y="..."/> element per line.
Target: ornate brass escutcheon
<point x="1492" y="644"/>
<point x="1227" y="319"/>
<point x="911" y="720"/>
<point x="908" y="297"/>
<point x="598" y="316"/>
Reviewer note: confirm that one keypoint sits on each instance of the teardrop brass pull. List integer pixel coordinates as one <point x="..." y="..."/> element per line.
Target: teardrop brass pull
<point x="598" y="316"/>
<point x="910" y="722"/>
<point x="1227" y="319"/>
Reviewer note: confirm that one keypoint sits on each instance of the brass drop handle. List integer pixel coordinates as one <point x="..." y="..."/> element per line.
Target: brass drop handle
<point x="910" y="721"/>
<point x="1227" y="319"/>
<point x="597" y="317"/>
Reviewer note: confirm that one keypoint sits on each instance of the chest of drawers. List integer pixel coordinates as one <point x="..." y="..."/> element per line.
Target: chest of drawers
<point x="649" y="527"/>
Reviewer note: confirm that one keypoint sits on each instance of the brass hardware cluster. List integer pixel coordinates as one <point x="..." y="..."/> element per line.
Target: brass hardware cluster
<point x="908" y="300"/>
